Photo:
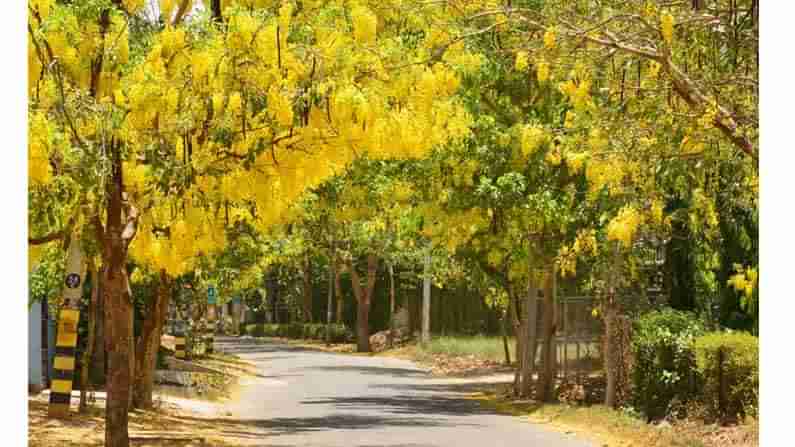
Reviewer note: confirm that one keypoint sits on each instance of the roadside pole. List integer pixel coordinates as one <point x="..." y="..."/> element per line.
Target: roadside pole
<point x="66" y="342"/>
<point x="426" y="298"/>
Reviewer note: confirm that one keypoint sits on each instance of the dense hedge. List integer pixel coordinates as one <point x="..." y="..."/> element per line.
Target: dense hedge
<point x="339" y="333"/>
<point x="665" y="364"/>
<point x="729" y="365"/>
<point x="677" y="361"/>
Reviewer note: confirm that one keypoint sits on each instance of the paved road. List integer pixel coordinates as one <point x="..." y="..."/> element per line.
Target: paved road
<point x="311" y="398"/>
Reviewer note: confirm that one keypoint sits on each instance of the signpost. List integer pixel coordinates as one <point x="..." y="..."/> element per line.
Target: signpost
<point x="66" y="342"/>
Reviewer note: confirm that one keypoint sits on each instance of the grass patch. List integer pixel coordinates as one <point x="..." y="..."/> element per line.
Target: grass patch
<point x="616" y="428"/>
<point x="481" y="347"/>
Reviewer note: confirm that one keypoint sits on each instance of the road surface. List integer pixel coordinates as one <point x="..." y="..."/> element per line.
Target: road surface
<point x="310" y="398"/>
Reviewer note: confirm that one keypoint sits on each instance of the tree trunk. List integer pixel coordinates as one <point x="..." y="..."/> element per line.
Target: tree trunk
<point x="504" y="324"/>
<point x="530" y="329"/>
<point x="330" y="303"/>
<point x="391" y="305"/>
<point x="611" y="359"/>
<point x="98" y="367"/>
<point x="148" y="344"/>
<point x="114" y="240"/>
<point x="92" y="323"/>
<point x="120" y="331"/>
<point x="363" y="301"/>
<point x="547" y="375"/>
<point x="514" y="309"/>
<point x="612" y="329"/>
<point x="426" y="300"/>
<point x="338" y="291"/>
<point x="307" y="289"/>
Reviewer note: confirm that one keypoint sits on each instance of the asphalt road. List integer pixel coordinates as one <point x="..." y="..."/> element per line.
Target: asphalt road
<point x="311" y="398"/>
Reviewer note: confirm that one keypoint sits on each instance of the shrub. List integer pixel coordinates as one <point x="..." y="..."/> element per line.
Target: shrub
<point x="295" y="330"/>
<point x="665" y="362"/>
<point x="317" y="331"/>
<point x="729" y="365"/>
<point x="339" y="333"/>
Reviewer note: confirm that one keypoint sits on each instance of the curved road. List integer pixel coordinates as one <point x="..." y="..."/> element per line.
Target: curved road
<point x="310" y="398"/>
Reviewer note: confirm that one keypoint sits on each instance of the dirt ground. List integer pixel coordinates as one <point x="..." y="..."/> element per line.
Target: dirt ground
<point x="174" y="422"/>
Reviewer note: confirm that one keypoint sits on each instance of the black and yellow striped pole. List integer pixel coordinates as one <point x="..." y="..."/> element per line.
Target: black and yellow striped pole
<point x="180" y="347"/>
<point x="66" y="341"/>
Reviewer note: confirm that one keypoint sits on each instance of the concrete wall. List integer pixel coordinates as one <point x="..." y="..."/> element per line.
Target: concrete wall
<point x="35" y="376"/>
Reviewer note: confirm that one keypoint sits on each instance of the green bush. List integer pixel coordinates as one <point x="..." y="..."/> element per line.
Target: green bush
<point x="317" y="331"/>
<point x="295" y="330"/>
<point x="255" y="330"/>
<point x="270" y="330"/>
<point x="730" y="359"/>
<point x="665" y="363"/>
<point x="339" y="333"/>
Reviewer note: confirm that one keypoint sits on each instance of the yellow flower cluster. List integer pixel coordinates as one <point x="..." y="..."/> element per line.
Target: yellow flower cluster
<point x="601" y="172"/>
<point x="532" y="137"/>
<point x="365" y="25"/>
<point x="745" y="280"/>
<point x="542" y="71"/>
<point x="667" y="27"/>
<point x="549" y="38"/>
<point x="39" y="141"/>
<point x="578" y="93"/>
<point x="623" y="227"/>
<point x="521" y="61"/>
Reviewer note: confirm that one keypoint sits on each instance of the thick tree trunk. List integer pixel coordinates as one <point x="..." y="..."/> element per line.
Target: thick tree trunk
<point x="547" y="374"/>
<point x="120" y="331"/>
<point x="98" y="366"/>
<point x="307" y="289"/>
<point x="611" y="362"/>
<point x="148" y="344"/>
<point x="114" y="240"/>
<point x="363" y="298"/>
<point x="92" y="323"/>
<point x="529" y="345"/>
<point x="611" y="357"/>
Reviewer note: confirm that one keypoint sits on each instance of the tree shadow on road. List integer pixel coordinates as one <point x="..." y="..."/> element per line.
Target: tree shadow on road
<point x="427" y="406"/>
<point x="259" y="428"/>
<point x="372" y="370"/>
<point x="464" y="388"/>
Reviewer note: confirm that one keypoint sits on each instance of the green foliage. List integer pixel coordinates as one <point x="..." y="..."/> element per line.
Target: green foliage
<point x="338" y="333"/>
<point x="664" y="360"/>
<point x="730" y="358"/>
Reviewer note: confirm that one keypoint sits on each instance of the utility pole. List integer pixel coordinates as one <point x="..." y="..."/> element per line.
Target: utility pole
<point x="426" y="298"/>
<point x="331" y="274"/>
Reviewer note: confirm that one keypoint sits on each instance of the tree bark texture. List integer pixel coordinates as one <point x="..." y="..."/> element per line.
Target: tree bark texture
<point x="92" y="323"/>
<point x="547" y="374"/>
<point x="363" y="301"/>
<point x="148" y="344"/>
<point x="114" y="239"/>
<point x="98" y="365"/>
<point x="529" y="345"/>
<point x="504" y="325"/>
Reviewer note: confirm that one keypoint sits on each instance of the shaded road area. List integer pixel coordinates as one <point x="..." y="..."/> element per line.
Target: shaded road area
<point x="310" y="398"/>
